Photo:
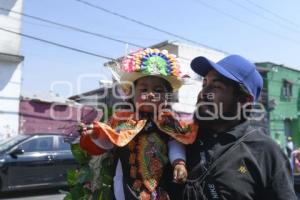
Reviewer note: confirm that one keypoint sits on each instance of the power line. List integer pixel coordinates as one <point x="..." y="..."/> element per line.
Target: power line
<point x="57" y="44"/>
<point x="273" y="13"/>
<point x="247" y="23"/>
<point x="73" y="28"/>
<point x="262" y="16"/>
<point x="181" y="37"/>
<point x="36" y="24"/>
<point x="141" y="23"/>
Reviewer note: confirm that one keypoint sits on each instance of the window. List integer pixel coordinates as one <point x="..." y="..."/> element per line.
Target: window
<point x="62" y="145"/>
<point x="38" y="144"/>
<point x="287" y="88"/>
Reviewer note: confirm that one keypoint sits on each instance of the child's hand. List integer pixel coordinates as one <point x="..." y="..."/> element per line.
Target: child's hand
<point x="179" y="172"/>
<point x="84" y="129"/>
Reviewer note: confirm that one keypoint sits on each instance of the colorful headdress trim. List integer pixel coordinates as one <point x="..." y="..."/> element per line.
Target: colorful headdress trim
<point x="152" y="62"/>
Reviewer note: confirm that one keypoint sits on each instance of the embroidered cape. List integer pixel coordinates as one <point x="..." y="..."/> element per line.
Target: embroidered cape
<point x="123" y="127"/>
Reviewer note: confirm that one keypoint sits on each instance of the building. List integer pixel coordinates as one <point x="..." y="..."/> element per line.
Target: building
<point x="10" y="68"/>
<point x="49" y="113"/>
<point x="104" y="98"/>
<point x="282" y="96"/>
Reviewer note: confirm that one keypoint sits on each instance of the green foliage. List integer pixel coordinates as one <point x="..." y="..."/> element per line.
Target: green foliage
<point x="105" y="194"/>
<point x="94" y="178"/>
<point x="68" y="196"/>
<point x="79" y="180"/>
<point x="84" y="175"/>
<point x="80" y="193"/>
<point x="109" y="114"/>
<point x="72" y="177"/>
<point x="107" y="169"/>
<point x="80" y="155"/>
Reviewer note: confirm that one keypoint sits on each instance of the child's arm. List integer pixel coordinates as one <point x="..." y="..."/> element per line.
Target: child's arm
<point x="177" y="159"/>
<point x="92" y="143"/>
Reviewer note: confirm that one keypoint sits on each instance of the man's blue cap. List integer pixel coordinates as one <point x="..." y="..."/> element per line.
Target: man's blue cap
<point x="233" y="67"/>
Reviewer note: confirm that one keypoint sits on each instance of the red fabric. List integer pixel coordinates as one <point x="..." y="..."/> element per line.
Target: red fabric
<point x="89" y="146"/>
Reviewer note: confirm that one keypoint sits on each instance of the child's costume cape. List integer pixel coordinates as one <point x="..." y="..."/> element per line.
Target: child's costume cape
<point x="123" y="127"/>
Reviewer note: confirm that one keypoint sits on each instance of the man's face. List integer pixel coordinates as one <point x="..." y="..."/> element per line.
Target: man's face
<point x="217" y="99"/>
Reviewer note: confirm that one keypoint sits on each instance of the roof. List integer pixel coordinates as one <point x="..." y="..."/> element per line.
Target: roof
<point x="178" y="43"/>
<point x="11" y="58"/>
<point x="46" y="97"/>
<point x="103" y="84"/>
<point x="280" y="65"/>
<point x="171" y="42"/>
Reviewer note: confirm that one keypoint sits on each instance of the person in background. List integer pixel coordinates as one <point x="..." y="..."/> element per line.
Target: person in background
<point x="289" y="146"/>
<point x="290" y="149"/>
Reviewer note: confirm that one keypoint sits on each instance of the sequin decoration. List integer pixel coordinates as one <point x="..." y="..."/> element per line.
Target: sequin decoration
<point x="152" y="157"/>
<point x="152" y="61"/>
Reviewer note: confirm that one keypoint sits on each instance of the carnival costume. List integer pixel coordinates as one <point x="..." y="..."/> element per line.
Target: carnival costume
<point x="141" y="142"/>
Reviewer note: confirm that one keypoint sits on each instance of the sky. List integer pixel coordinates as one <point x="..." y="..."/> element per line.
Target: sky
<point x="260" y="30"/>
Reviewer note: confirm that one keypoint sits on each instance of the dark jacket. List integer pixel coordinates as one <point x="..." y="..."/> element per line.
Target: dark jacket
<point x="255" y="169"/>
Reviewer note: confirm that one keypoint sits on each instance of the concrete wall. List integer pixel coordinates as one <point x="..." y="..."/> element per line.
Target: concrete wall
<point x="10" y="43"/>
<point x="10" y="68"/>
<point x="10" y="86"/>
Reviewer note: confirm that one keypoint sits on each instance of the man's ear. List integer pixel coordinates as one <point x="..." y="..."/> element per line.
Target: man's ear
<point x="249" y="99"/>
<point x="246" y="99"/>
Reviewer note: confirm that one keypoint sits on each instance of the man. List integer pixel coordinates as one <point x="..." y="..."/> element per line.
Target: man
<point x="232" y="158"/>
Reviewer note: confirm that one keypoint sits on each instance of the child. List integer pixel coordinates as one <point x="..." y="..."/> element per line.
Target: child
<point x="148" y="138"/>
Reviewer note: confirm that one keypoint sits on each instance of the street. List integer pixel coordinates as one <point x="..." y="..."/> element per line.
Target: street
<point x="46" y="194"/>
<point x="49" y="194"/>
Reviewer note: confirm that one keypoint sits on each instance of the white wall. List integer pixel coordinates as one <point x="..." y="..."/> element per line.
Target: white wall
<point x="10" y="86"/>
<point x="188" y="94"/>
<point x="10" y="68"/>
<point x="187" y="53"/>
<point x="10" y="43"/>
